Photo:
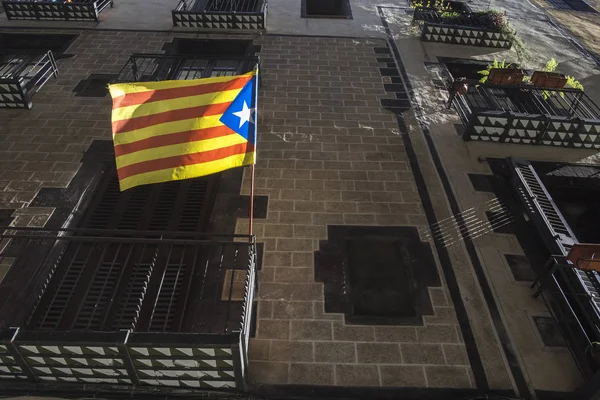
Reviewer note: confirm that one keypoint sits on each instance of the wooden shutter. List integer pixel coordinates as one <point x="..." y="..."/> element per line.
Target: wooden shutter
<point x="101" y="286"/>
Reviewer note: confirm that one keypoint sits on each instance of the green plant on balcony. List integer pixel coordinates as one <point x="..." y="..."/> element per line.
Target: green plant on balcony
<point x="550" y="66"/>
<point x="485" y="73"/>
<point x="438" y="5"/>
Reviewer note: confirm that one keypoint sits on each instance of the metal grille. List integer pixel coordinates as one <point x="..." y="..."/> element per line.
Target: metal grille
<point x="220" y="5"/>
<point x="146" y="281"/>
<point x="526" y="99"/>
<point x="170" y="291"/>
<point x="157" y="67"/>
<point x="102" y="284"/>
<point x="33" y="68"/>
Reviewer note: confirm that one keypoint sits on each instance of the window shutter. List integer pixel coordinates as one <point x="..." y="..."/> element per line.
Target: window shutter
<point x="102" y="286"/>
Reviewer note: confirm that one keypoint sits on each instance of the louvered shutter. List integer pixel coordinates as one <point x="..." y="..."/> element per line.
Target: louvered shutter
<point x="103" y="287"/>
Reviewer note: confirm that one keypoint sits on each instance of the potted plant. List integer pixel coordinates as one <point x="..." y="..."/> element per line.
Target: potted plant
<point x="548" y="79"/>
<point x="502" y="73"/>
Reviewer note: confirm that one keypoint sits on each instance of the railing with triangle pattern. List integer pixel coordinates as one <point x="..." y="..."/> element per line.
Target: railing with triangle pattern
<point x="435" y="29"/>
<point x="239" y="15"/>
<point x="48" y="10"/>
<point x="525" y="114"/>
<point x="174" y="360"/>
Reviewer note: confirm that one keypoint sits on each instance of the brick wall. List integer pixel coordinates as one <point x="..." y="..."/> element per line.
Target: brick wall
<point x="328" y="154"/>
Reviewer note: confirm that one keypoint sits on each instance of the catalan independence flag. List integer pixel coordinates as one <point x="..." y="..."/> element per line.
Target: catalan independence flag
<point x="173" y="130"/>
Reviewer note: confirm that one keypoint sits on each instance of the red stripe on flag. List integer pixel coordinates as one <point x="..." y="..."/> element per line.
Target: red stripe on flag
<point x="183" y="160"/>
<point x="131" y="124"/>
<point x="172" y="138"/>
<point x="132" y="99"/>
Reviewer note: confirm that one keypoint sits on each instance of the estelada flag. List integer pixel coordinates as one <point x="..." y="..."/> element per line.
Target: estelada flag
<point x="172" y="130"/>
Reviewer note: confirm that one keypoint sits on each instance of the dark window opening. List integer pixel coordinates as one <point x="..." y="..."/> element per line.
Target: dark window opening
<point x="57" y="43"/>
<point x="577" y="5"/>
<point x="210" y="47"/>
<point x="326" y="9"/>
<point x="575" y="189"/>
<point x="95" y="85"/>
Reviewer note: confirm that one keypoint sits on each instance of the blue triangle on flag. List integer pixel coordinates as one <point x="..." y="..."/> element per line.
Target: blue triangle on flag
<point x="240" y="116"/>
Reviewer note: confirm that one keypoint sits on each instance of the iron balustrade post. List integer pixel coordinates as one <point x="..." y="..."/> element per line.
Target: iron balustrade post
<point x="123" y="348"/>
<point x="19" y="359"/>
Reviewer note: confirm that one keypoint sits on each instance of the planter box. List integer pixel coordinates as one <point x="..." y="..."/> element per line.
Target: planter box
<point x="59" y="11"/>
<point x="549" y="80"/>
<point x="505" y="76"/>
<point x="185" y="17"/>
<point x="465" y="35"/>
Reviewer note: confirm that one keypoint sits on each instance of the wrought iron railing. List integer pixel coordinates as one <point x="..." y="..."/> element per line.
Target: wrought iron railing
<point x="220" y="5"/>
<point x="221" y="14"/>
<point x="138" y="297"/>
<point x="525" y="99"/>
<point x="454" y="17"/>
<point x="55" y="10"/>
<point x="22" y="75"/>
<point x="109" y="280"/>
<point x="525" y="114"/>
<point x="158" y="67"/>
<point x="572" y="295"/>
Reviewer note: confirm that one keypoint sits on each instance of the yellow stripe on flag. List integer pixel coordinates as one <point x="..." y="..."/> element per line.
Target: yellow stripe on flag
<point x="145" y="109"/>
<point x="120" y="89"/>
<point x="188" y="171"/>
<point x="167" y="128"/>
<point x="180" y="149"/>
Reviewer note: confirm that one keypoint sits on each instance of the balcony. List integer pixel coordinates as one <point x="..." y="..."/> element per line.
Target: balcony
<point x="159" y="67"/>
<point x="460" y="27"/>
<point x="22" y="75"/>
<point x="524" y="114"/>
<point x="52" y="10"/>
<point x="169" y="309"/>
<point x="239" y="15"/>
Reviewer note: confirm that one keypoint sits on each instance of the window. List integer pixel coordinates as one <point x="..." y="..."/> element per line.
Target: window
<point x="90" y="274"/>
<point x="326" y="9"/>
<point x="192" y="59"/>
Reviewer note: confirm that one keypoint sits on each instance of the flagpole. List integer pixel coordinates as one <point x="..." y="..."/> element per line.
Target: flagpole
<point x="250" y="225"/>
<point x="251" y="200"/>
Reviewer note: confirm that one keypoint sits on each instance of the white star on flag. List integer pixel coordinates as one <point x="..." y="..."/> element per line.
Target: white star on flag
<point x="245" y="115"/>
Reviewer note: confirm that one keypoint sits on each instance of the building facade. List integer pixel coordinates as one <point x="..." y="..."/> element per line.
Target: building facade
<point x="388" y="255"/>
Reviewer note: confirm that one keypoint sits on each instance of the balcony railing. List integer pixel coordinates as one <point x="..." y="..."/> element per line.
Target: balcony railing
<point x="460" y="27"/>
<point x="127" y="307"/>
<point x="221" y="14"/>
<point x="526" y="114"/>
<point x="158" y="67"/>
<point x="22" y="75"/>
<point x="55" y="10"/>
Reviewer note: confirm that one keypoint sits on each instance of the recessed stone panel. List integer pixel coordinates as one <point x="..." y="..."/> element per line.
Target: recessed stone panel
<point x="376" y="275"/>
